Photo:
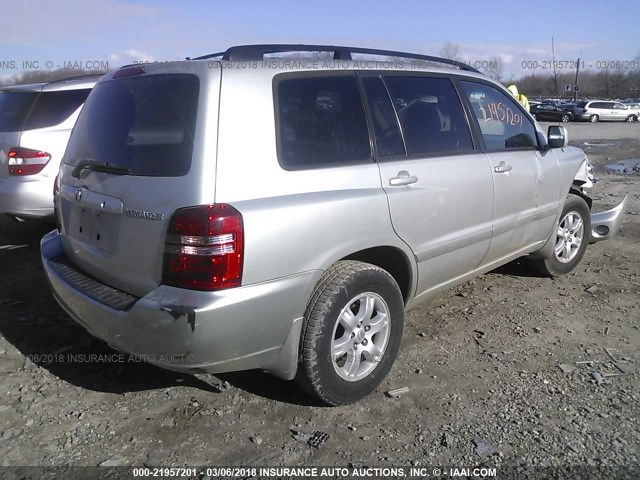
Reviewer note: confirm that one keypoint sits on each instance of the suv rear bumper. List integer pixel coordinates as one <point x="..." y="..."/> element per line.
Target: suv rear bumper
<point x="27" y="197"/>
<point x="243" y="328"/>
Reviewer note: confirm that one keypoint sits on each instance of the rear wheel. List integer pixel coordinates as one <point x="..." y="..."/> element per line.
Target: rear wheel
<point x="594" y="118"/>
<point x="351" y="334"/>
<point x="571" y="239"/>
<point x="565" y="118"/>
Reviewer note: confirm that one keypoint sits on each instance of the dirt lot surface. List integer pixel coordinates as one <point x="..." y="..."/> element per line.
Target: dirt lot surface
<point x="500" y="372"/>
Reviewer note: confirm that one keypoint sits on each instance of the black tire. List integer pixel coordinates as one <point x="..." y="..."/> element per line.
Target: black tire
<point x="594" y="118"/>
<point x="334" y="292"/>
<point x="631" y="118"/>
<point x="565" y="118"/>
<point x="552" y="266"/>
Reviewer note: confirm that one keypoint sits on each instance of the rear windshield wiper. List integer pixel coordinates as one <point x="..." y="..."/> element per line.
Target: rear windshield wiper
<point x="99" y="167"/>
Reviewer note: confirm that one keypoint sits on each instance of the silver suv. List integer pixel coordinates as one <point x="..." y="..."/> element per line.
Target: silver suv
<point x="596" y="110"/>
<point x="35" y="125"/>
<point x="235" y="212"/>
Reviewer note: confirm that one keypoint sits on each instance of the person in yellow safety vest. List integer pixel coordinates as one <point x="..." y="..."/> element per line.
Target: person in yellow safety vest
<point x="524" y="101"/>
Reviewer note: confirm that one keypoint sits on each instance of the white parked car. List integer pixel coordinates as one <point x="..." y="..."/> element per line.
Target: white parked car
<point x="35" y="124"/>
<point x="597" y="110"/>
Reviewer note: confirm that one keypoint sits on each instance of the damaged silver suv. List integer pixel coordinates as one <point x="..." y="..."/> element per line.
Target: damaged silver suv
<point x="234" y="212"/>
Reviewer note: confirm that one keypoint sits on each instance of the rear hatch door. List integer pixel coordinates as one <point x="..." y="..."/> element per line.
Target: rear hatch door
<point x="133" y="158"/>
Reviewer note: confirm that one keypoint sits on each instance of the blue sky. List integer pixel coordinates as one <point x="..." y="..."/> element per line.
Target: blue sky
<point x="119" y="31"/>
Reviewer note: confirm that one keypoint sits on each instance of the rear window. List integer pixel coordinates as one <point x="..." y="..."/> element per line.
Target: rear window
<point x="53" y="108"/>
<point x="145" y="124"/>
<point x="321" y="122"/>
<point x="14" y="107"/>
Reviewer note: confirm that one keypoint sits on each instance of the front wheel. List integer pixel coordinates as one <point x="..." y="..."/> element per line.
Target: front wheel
<point x="631" y="118"/>
<point x="571" y="239"/>
<point x="351" y="334"/>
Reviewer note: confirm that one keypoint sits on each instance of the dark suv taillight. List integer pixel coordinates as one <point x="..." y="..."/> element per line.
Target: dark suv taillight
<point x="204" y="248"/>
<point x="26" y="161"/>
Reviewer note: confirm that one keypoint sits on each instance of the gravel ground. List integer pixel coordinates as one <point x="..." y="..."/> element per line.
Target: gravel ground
<point x="507" y="370"/>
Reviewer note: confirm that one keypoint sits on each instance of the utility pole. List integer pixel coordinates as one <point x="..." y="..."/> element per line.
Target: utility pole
<point x="575" y="86"/>
<point x="555" y="70"/>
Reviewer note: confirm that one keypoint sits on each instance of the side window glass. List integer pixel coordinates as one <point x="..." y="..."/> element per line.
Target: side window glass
<point x="431" y="115"/>
<point x="321" y="122"/>
<point x="502" y="123"/>
<point x="385" y="124"/>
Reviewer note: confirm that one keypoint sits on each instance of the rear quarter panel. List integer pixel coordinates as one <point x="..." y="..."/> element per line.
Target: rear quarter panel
<point x="294" y="221"/>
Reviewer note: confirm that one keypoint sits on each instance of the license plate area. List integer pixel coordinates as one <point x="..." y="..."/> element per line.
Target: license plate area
<point x="91" y="219"/>
<point x="97" y="229"/>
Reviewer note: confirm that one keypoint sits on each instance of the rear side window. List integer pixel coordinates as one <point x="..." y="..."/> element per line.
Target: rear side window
<point x="321" y="122"/>
<point x="385" y="124"/>
<point x="53" y="108"/>
<point x="503" y="124"/>
<point x="145" y="124"/>
<point x="430" y="114"/>
<point x="14" y="108"/>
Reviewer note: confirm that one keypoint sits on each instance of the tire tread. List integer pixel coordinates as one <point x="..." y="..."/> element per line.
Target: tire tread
<point x="324" y="294"/>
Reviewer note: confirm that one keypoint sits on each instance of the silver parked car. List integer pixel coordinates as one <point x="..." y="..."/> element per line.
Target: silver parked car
<point x="228" y="213"/>
<point x="596" y="110"/>
<point x="35" y="125"/>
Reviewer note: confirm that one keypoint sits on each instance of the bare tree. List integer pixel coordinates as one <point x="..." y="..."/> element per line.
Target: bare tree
<point x="495" y="69"/>
<point x="451" y="51"/>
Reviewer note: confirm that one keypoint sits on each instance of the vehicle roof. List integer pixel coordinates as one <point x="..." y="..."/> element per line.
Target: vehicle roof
<point x="300" y="58"/>
<point x="71" y="83"/>
<point x="32" y="87"/>
<point x="289" y="65"/>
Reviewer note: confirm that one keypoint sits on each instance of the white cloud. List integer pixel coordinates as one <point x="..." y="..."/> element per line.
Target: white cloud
<point x="129" y="56"/>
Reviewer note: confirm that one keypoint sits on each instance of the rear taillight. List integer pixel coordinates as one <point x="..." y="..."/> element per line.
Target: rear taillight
<point x="26" y="161"/>
<point x="204" y="248"/>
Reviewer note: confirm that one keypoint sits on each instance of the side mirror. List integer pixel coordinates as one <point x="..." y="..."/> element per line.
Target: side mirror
<point x="542" y="141"/>
<point x="558" y="137"/>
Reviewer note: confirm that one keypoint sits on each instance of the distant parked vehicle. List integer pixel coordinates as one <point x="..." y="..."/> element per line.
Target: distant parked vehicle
<point x="596" y="110"/>
<point x="35" y="124"/>
<point x="634" y="106"/>
<point x="551" y="113"/>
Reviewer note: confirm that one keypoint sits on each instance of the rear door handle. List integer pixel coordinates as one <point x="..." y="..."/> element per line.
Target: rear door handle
<point x="503" y="168"/>
<point x="403" y="178"/>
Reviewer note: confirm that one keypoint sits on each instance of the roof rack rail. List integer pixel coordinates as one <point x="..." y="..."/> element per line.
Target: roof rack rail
<point x="244" y="53"/>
